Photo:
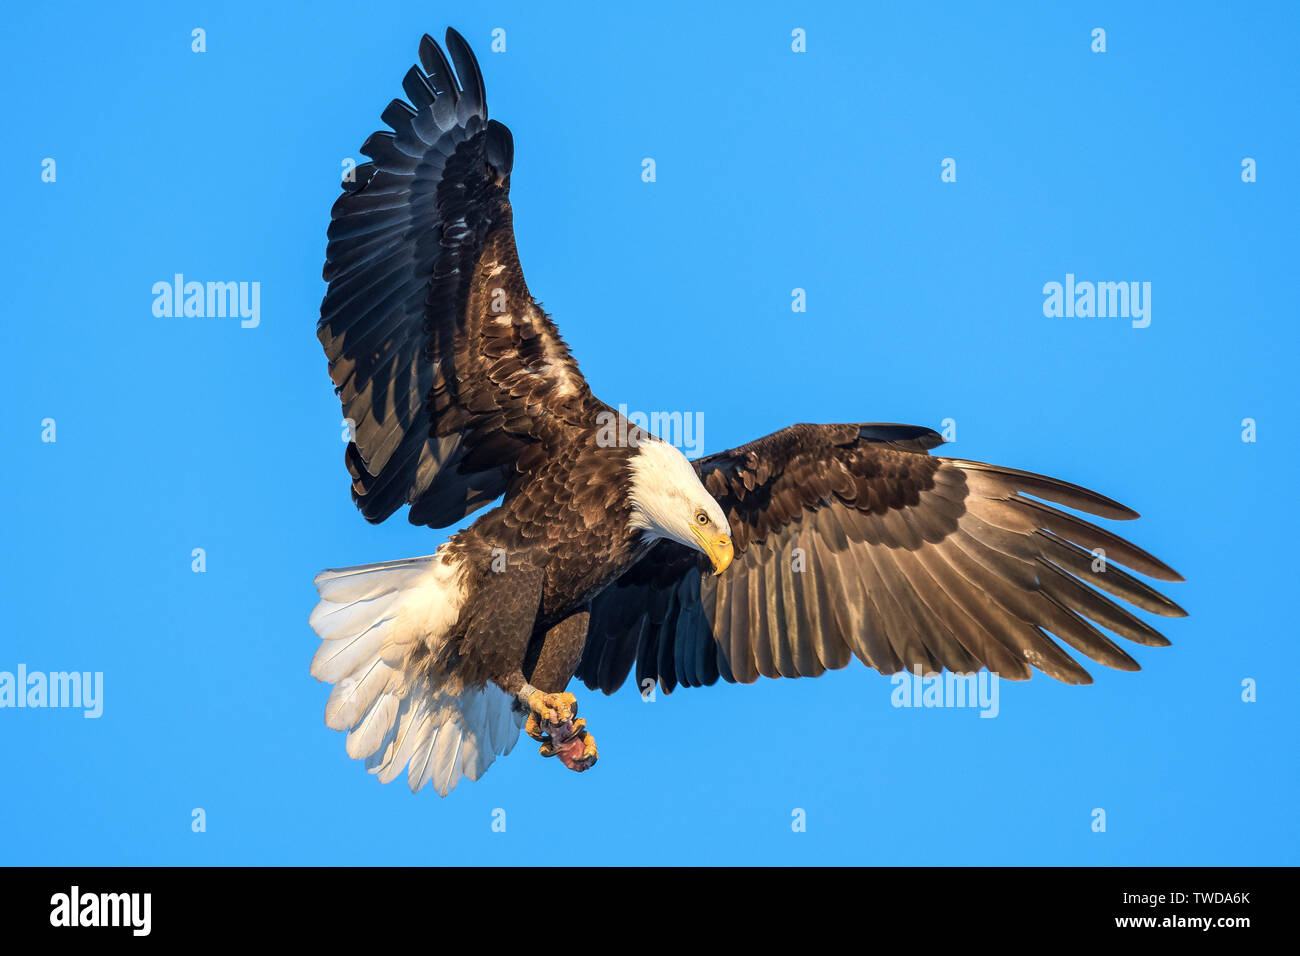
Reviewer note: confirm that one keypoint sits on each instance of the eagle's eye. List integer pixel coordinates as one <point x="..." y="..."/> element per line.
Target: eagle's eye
<point x="701" y="517"/>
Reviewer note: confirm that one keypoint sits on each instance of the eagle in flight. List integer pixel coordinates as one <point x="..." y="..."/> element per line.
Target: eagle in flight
<point x="608" y="556"/>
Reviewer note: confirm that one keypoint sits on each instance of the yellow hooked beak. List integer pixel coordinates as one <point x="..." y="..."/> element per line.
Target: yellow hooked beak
<point x="717" y="547"/>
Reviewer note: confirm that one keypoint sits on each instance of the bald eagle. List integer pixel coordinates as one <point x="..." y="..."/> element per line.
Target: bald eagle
<point x="785" y="557"/>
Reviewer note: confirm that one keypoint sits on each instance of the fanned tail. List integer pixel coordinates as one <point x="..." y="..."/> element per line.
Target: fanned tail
<point x="374" y="620"/>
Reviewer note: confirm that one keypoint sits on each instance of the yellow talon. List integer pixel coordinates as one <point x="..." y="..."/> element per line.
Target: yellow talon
<point x="554" y="709"/>
<point x="533" y="728"/>
<point x="589" y="755"/>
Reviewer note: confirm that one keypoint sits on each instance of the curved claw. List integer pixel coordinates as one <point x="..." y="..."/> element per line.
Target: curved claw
<point x="533" y="728"/>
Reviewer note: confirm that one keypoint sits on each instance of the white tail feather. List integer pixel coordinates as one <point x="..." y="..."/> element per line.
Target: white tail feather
<point x="353" y="695"/>
<point x="336" y="659"/>
<point x="369" y="619"/>
<point x="369" y="732"/>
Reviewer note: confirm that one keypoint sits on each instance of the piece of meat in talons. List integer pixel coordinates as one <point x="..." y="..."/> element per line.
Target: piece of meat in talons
<point x="577" y="751"/>
<point x="552" y="720"/>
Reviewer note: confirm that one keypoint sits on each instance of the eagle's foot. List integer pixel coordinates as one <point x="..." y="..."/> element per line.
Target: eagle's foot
<point x="552" y="721"/>
<point x="549" y="714"/>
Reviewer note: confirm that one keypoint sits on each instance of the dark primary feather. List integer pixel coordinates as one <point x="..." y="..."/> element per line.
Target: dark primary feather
<point x="445" y="364"/>
<point x="852" y="541"/>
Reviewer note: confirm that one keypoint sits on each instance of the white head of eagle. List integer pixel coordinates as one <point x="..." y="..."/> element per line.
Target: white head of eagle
<point x="668" y="501"/>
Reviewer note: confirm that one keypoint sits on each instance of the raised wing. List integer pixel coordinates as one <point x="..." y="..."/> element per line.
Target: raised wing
<point x="446" y="366"/>
<point x="851" y="540"/>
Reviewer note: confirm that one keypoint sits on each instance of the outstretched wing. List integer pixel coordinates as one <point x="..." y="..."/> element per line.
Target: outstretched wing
<point x="447" y="368"/>
<point x="851" y="540"/>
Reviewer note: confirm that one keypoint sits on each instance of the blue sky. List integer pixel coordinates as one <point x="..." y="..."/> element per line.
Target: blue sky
<point x="775" y="170"/>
